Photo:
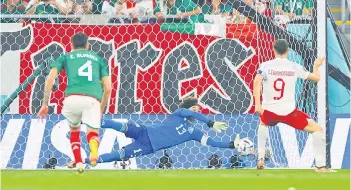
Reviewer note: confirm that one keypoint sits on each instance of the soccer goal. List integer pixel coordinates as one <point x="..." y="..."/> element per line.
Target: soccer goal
<point x="153" y="65"/>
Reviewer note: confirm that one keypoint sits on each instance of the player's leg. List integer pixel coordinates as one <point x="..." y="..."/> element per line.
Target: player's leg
<point x="301" y="121"/>
<point x="262" y="135"/>
<point x="319" y="144"/>
<point x="266" y="119"/>
<point x="130" y="129"/>
<point x="91" y="117"/>
<point x="75" y="146"/>
<point x="73" y="116"/>
<point x="134" y="149"/>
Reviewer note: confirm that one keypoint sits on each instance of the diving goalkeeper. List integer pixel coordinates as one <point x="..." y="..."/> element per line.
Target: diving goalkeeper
<point x="176" y="129"/>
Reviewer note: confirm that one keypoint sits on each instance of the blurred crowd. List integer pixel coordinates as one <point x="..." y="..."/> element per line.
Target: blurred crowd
<point x="37" y="7"/>
<point x="151" y="11"/>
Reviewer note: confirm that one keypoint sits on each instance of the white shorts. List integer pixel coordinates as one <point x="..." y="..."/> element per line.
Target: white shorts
<point x="85" y="109"/>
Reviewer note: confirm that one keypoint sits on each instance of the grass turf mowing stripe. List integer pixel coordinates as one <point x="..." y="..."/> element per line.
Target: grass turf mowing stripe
<point x="176" y="180"/>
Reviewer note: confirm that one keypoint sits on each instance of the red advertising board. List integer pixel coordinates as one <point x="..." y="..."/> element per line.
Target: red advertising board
<point x="152" y="80"/>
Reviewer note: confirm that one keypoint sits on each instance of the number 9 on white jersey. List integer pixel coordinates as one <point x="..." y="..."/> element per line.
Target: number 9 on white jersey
<point x="279" y="84"/>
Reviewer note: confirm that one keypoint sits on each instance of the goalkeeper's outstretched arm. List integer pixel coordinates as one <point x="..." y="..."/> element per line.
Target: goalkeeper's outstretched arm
<point x="216" y="126"/>
<point x="207" y="141"/>
<point x="192" y="114"/>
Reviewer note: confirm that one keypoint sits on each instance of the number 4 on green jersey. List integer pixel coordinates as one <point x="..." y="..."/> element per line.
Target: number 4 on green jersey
<point x="84" y="70"/>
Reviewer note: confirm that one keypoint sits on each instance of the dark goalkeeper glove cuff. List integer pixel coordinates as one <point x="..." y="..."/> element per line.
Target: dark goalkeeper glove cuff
<point x="231" y="144"/>
<point x="210" y="124"/>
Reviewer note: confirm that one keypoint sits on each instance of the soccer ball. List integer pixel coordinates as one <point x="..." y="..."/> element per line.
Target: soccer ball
<point x="246" y="147"/>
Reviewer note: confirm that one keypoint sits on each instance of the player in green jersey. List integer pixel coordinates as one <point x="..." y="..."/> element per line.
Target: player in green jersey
<point x="88" y="90"/>
<point x="293" y="8"/>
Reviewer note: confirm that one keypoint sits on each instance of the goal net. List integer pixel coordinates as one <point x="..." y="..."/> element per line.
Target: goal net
<point x="154" y="62"/>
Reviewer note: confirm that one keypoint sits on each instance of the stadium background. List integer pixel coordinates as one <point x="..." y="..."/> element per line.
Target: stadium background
<point x="152" y="67"/>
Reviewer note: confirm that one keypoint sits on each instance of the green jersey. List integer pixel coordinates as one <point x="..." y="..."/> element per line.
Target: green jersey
<point x="84" y="70"/>
<point x="297" y="5"/>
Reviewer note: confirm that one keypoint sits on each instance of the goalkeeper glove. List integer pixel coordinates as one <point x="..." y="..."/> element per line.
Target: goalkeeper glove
<point x="218" y="126"/>
<point x="235" y="143"/>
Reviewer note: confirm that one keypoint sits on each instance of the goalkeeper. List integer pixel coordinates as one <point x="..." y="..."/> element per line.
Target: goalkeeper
<point x="176" y="129"/>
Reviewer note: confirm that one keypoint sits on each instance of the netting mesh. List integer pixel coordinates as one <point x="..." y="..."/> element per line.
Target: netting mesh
<point x="209" y="50"/>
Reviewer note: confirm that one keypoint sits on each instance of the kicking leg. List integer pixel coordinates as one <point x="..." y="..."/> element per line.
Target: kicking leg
<point x="93" y="139"/>
<point x="75" y="145"/>
<point x="91" y="117"/>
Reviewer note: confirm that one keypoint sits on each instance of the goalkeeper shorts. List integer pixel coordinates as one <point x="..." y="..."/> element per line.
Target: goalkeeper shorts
<point x="142" y="144"/>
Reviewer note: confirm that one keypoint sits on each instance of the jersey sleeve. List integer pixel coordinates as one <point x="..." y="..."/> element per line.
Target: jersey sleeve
<point x="207" y="141"/>
<point x="200" y="137"/>
<point x="301" y="72"/>
<point x="58" y="63"/>
<point x="191" y="114"/>
<point x="262" y="71"/>
<point x="103" y="69"/>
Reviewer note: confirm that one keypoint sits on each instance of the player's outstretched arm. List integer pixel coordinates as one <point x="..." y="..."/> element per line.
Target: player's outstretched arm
<point x="49" y="84"/>
<point x="215" y="125"/>
<point x="106" y="84"/>
<point x="315" y="76"/>
<point x="207" y="141"/>
<point x="189" y="113"/>
<point x="47" y="90"/>
<point x="56" y="67"/>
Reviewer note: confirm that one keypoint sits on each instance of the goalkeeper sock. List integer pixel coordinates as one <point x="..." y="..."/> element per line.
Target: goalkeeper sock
<point x="110" y="157"/>
<point x="75" y="145"/>
<point x="118" y="126"/>
<point x="262" y="138"/>
<point x="319" y="148"/>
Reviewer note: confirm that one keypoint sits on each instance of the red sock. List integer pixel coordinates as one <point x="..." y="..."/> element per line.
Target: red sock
<point x="75" y="145"/>
<point x="92" y="135"/>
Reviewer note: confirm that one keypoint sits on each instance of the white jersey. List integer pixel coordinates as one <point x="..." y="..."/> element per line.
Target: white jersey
<point x="279" y="83"/>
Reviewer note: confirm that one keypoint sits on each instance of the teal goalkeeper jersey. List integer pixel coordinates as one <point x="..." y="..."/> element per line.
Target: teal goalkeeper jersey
<point x="176" y="129"/>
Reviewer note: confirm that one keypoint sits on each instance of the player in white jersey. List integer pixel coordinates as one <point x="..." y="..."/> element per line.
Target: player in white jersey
<point x="279" y="77"/>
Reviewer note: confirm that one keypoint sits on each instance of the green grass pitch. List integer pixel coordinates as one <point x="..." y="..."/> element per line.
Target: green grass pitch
<point x="175" y="180"/>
